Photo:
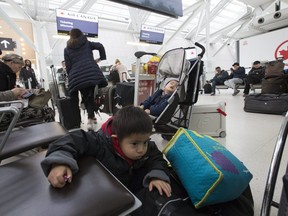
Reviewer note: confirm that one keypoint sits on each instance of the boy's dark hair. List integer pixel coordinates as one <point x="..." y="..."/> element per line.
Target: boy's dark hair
<point x="131" y="120"/>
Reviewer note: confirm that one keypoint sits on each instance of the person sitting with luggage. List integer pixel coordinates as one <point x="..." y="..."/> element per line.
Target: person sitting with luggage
<point x="156" y="103"/>
<point x="255" y="76"/>
<point x="235" y="78"/>
<point x="220" y="77"/>
<point x="12" y="64"/>
<point x="122" y="145"/>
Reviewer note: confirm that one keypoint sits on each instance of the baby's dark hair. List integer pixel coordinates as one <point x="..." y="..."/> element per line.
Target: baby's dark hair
<point x="131" y="120"/>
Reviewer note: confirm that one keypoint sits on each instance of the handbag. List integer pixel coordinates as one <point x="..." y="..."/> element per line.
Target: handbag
<point x="207" y="170"/>
<point x="39" y="99"/>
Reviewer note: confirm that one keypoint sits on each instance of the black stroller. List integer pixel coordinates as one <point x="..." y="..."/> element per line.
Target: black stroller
<point x="179" y="109"/>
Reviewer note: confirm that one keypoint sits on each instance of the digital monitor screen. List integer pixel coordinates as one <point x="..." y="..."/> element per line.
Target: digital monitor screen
<point x="171" y="8"/>
<point x="66" y="20"/>
<point x="191" y="53"/>
<point x="152" y="35"/>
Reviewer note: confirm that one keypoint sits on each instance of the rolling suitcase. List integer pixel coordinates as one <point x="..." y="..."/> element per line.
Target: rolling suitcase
<point x="69" y="112"/>
<point x="266" y="103"/>
<point x="125" y="93"/>
<point x="209" y="119"/>
<point x="107" y="95"/>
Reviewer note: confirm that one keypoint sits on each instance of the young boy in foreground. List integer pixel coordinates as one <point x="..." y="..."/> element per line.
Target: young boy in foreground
<point x="122" y="145"/>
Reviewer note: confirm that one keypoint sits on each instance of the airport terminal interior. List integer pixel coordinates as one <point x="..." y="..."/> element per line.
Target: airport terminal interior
<point x="219" y="33"/>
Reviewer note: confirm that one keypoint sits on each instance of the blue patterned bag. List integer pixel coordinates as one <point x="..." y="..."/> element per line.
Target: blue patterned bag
<point x="208" y="171"/>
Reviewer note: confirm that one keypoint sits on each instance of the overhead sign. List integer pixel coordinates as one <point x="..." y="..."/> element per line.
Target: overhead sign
<point x="151" y="34"/>
<point x="66" y="20"/>
<point x="7" y="44"/>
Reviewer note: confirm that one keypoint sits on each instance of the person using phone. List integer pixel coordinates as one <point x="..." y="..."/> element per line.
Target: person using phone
<point x="13" y="94"/>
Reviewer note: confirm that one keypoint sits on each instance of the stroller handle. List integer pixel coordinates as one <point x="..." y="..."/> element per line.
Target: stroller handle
<point x="202" y="48"/>
<point x="139" y="54"/>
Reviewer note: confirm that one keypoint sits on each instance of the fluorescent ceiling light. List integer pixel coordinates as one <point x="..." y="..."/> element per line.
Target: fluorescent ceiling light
<point x="137" y="44"/>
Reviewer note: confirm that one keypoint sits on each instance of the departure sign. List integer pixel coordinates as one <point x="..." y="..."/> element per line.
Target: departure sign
<point x="66" y="20"/>
<point x="152" y="35"/>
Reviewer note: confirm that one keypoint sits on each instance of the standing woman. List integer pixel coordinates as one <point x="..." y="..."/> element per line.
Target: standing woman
<point x="27" y="74"/>
<point x="12" y="63"/>
<point x="83" y="72"/>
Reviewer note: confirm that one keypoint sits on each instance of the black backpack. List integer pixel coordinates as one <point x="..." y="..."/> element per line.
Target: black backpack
<point x="207" y="88"/>
<point x="113" y="76"/>
<point x="179" y="204"/>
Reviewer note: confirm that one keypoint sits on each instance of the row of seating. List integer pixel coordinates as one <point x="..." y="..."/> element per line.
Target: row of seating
<point x="255" y="86"/>
<point x="18" y="139"/>
<point x="26" y="187"/>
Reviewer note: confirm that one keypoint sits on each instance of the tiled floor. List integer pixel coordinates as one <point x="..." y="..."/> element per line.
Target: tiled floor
<point x="251" y="137"/>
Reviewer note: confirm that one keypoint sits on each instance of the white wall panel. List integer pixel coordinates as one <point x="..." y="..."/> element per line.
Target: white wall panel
<point x="263" y="47"/>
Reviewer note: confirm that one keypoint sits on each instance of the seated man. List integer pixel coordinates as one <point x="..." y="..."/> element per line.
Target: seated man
<point x="236" y="78"/>
<point x="220" y="77"/>
<point x="255" y="76"/>
<point x="156" y="103"/>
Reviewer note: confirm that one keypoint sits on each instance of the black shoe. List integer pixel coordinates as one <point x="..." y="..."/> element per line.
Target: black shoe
<point x="236" y="92"/>
<point x="213" y="93"/>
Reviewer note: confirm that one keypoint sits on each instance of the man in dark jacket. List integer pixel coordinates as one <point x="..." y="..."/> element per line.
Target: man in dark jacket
<point x="220" y="77"/>
<point x="255" y="76"/>
<point x="236" y="78"/>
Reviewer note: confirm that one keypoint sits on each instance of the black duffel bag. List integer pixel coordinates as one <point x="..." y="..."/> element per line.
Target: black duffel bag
<point x="266" y="103"/>
<point x="179" y="204"/>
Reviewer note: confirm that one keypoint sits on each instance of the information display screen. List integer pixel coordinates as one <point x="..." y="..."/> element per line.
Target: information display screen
<point x="152" y="35"/>
<point x="66" y="20"/>
<point x="172" y="8"/>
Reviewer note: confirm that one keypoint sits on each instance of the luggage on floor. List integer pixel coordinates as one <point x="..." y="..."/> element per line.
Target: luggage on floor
<point x="266" y="103"/>
<point x="209" y="119"/>
<point x="207" y="88"/>
<point x="125" y="93"/>
<point x="275" y="84"/>
<point x="153" y="204"/>
<point x="107" y="95"/>
<point x="69" y="111"/>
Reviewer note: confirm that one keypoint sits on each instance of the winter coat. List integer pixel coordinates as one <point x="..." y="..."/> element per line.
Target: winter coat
<point x="220" y="78"/>
<point x="7" y="77"/>
<point x="156" y="103"/>
<point x="82" y="69"/>
<point x="72" y="146"/>
<point x="239" y="73"/>
<point x="28" y="73"/>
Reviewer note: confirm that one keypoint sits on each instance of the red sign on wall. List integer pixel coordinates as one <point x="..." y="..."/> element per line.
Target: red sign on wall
<point x="282" y="51"/>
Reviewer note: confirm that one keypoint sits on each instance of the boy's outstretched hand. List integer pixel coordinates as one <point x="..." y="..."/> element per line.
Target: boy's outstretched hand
<point x="60" y="175"/>
<point x="162" y="186"/>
